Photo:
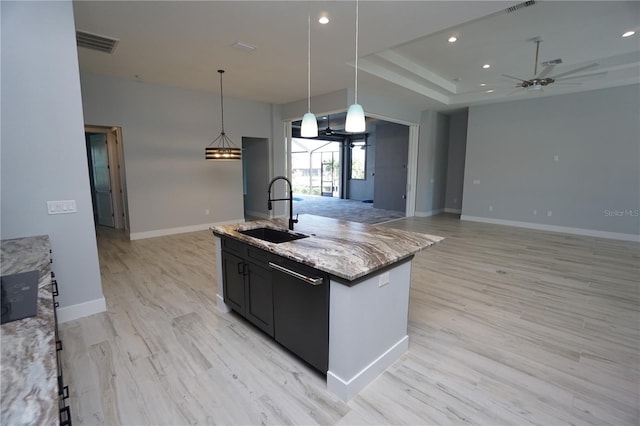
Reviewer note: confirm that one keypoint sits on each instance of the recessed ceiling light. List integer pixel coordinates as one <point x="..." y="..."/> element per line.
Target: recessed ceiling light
<point x="323" y="20"/>
<point x="483" y="84"/>
<point x="628" y="34"/>
<point x="453" y="39"/>
<point x="490" y="91"/>
<point x="485" y="66"/>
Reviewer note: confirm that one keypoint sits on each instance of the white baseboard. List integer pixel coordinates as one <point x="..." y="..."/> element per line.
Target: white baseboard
<point x="555" y="228"/>
<point x="70" y="313"/>
<point x="346" y="389"/>
<point x="456" y="211"/>
<point x="179" y="230"/>
<point x="261" y="215"/>
<point x="222" y="307"/>
<point x="429" y="213"/>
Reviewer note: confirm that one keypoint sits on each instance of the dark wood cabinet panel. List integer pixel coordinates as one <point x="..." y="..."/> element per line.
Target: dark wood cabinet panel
<point x="259" y="298"/>
<point x="233" y="268"/>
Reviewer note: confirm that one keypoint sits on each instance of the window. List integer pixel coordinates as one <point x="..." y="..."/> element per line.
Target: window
<point x="358" y="160"/>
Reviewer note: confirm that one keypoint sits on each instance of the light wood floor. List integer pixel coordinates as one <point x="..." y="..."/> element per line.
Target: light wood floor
<point x="506" y="326"/>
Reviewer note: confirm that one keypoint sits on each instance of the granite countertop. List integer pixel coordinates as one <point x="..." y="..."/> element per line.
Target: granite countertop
<point x="28" y="363"/>
<point x="346" y="250"/>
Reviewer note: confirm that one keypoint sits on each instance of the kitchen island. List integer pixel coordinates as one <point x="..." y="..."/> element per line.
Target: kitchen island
<point x="367" y="271"/>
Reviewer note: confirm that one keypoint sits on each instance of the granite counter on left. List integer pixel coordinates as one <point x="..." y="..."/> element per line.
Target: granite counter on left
<point x="28" y="363"/>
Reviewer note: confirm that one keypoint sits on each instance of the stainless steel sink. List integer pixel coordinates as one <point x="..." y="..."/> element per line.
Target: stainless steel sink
<point x="272" y="235"/>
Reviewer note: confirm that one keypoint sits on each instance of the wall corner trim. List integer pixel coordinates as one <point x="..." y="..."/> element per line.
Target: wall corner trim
<point x="555" y="228"/>
<point x="73" y="312"/>
<point x="429" y="213"/>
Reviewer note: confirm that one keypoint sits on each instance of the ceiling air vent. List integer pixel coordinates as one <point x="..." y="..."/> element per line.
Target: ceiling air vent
<point x="520" y="6"/>
<point x="96" y="42"/>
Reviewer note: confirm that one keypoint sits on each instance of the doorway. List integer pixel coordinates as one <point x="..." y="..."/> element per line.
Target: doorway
<point x="255" y="177"/>
<point x="106" y="176"/>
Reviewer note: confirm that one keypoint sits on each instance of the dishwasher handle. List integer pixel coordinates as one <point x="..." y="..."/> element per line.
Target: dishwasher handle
<point x="308" y="280"/>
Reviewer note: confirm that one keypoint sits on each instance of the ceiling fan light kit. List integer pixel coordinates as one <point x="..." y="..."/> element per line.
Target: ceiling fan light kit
<point x="309" y="128"/>
<point x="355" y="114"/>
<point x="222" y="148"/>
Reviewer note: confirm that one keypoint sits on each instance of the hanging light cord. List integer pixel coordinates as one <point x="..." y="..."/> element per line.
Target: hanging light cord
<point x="309" y="63"/>
<point x="221" y="102"/>
<point x="356" y="86"/>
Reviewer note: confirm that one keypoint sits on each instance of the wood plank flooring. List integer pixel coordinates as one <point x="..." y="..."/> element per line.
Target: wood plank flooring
<point x="506" y="326"/>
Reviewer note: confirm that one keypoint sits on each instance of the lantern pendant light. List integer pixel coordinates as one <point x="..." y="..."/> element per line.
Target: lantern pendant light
<point x="309" y="127"/>
<point x="355" y="114"/>
<point x="224" y="149"/>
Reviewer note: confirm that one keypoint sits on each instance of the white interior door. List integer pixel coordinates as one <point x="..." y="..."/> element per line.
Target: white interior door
<point x="101" y="180"/>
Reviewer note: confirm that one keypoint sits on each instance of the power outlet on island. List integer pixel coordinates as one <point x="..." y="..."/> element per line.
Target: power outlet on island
<point x="384" y="279"/>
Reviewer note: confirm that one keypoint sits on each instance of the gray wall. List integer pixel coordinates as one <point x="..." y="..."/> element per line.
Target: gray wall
<point x="42" y="142"/>
<point x="255" y="158"/>
<point x="165" y="131"/>
<point x="392" y="152"/>
<point x="596" y="136"/>
<point x="455" y="163"/>
<point x="432" y="163"/>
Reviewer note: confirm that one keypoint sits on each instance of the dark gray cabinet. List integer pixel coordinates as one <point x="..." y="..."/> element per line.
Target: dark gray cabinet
<point x="292" y="310"/>
<point x="247" y="284"/>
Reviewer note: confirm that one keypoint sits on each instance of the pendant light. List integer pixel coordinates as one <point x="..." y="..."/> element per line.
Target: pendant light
<point x="224" y="149"/>
<point x="355" y="114"/>
<point x="309" y="127"/>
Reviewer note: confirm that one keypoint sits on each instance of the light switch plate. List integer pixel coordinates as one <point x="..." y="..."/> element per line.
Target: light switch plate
<point x="61" y="207"/>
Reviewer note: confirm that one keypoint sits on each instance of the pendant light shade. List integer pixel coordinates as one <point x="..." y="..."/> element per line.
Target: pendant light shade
<point x="355" y="114"/>
<point x="222" y="148"/>
<point x="355" y="119"/>
<point x="309" y="128"/>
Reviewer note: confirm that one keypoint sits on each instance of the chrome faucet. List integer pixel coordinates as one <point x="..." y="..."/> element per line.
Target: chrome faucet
<point x="270" y="206"/>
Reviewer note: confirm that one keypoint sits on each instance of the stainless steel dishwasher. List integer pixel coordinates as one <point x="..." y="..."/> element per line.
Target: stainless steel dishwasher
<point x="301" y="311"/>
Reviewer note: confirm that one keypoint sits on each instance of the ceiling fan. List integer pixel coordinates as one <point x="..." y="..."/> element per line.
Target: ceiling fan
<point x="331" y="132"/>
<point x="542" y="78"/>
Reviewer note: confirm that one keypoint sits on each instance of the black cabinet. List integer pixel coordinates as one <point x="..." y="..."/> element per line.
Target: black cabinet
<point x="285" y="299"/>
<point x="247" y="284"/>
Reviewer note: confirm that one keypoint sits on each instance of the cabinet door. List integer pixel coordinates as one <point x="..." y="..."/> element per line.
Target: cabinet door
<point x="259" y="298"/>
<point x="301" y="316"/>
<point x="233" y="268"/>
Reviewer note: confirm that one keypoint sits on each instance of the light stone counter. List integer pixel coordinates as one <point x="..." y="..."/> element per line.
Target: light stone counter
<point x="345" y="250"/>
<point x="28" y="363"/>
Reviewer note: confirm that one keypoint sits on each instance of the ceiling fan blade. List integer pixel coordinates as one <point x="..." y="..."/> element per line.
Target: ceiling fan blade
<point x="562" y="83"/>
<point x="595" y="74"/>
<point x="545" y="72"/>
<point x="586" y="67"/>
<point x="512" y="77"/>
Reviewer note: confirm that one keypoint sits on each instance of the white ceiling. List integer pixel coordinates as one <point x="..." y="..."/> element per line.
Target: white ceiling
<point x="404" y="52"/>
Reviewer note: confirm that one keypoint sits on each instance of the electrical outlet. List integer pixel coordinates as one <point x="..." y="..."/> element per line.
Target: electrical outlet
<point x="556" y="158"/>
<point x="476" y="181"/>
<point x="206" y="211"/>
<point x="383" y="280"/>
<point x="490" y="208"/>
<point x="549" y="212"/>
<point x="535" y="212"/>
